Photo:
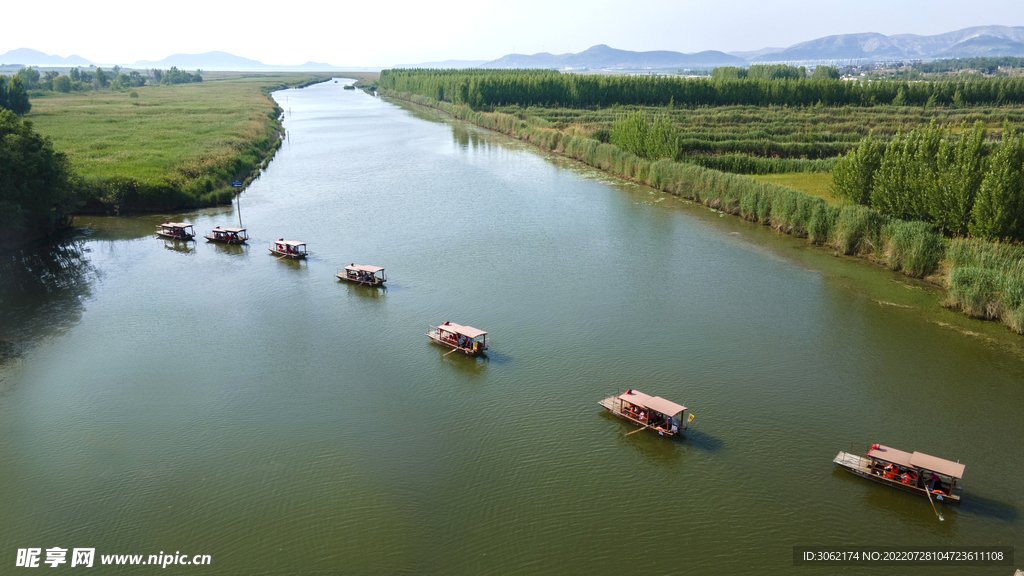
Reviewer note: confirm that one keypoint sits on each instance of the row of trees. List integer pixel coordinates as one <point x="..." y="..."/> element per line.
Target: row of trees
<point x="485" y="88"/>
<point x="84" y="79"/>
<point x="985" y="64"/>
<point x="773" y="72"/>
<point x="940" y="175"/>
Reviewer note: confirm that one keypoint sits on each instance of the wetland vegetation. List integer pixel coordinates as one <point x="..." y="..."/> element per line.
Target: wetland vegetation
<point x="696" y="137"/>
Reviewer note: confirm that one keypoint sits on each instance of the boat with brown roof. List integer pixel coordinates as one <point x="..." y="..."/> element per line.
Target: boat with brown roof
<point x="652" y="412"/>
<point x="289" y="249"/>
<point x="915" y="472"/>
<point x="465" y="339"/>
<point x="176" y="231"/>
<point x="362" y="274"/>
<point x="231" y="236"/>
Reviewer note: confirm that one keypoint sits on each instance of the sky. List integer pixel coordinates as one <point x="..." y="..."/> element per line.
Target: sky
<point x="375" y="33"/>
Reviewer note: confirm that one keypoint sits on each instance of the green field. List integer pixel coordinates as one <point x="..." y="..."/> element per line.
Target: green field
<point x="171" y="146"/>
<point x="810" y="183"/>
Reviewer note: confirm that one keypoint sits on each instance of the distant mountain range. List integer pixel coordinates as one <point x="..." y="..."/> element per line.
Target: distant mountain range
<point x="867" y="47"/>
<point x="205" y="61"/>
<point x="445" y="64"/>
<point x="603" y="57"/>
<point x="30" y="57"/>
<point x="844" y="48"/>
<point x="969" y="42"/>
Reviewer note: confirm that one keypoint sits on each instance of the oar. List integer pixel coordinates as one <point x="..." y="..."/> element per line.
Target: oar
<point x="929" y="493"/>
<point x="447" y="353"/>
<point x="635" y="431"/>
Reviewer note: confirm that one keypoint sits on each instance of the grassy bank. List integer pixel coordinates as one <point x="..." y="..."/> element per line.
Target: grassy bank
<point x="158" y="148"/>
<point x="980" y="276"/>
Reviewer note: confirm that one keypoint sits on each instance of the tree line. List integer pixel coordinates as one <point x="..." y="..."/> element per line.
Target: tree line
<point x="946" y="176"/>
<point x="80" y="79"/>
<point x="487" y="88"/>
<point x="984" y="63"/>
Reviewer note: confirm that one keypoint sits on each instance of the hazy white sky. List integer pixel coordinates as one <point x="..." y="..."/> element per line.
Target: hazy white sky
<point x="385" y="33"/>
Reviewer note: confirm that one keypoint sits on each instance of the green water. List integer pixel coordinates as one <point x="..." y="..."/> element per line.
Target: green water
<point x="201" y="399"/>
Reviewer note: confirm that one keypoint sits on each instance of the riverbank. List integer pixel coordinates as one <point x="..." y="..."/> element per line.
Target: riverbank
<point x="982" y="280"/>
<point x="168" y="147"/>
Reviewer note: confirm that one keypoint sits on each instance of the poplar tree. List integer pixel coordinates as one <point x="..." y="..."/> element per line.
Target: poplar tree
<point x="853" y="177"/>
<point x="999" y="208"/>
<point x="967" y="174"/>
<point x="17" y="97"/>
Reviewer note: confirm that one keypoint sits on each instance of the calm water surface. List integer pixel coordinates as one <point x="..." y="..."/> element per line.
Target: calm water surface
<point x="158" y="397"/>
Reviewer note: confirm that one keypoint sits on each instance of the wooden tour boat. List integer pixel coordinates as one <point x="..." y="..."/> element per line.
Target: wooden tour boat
<point x="365" y="275"/>
<point x="465" y="339"/>
<point x="289" y="249"/>
<point x="176" y="231"/>
<point x="228" y="235"/>
<point x="653" y="412"/>
<point x="916" y="473"/>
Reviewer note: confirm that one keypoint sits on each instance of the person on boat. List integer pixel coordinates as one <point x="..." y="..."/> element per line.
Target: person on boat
<point x="890" y="471"/>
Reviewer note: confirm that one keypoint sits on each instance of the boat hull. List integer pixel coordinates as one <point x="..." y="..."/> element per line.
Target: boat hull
<point x="858" y="466"/>
<point x="223" y="241"/>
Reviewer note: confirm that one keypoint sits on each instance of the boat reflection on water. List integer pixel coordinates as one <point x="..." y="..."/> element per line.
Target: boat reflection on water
<point x="231" y="249"/>
<point x="180" y="246"/>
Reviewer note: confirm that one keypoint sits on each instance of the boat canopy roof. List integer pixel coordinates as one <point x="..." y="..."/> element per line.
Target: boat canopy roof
<point x="230" y="230"/>
<point x="944" y="467"/>
<point x="891" y="455"/>
<point x="918" y="460"/>
<point x="289" y="242"/>
<point x="362" y="268"/>
<point x="656" y="403"/>
<point x="467" y="331"/>
<point x="175" y="225"/>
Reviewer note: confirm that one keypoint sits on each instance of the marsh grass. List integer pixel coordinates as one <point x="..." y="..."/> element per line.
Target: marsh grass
<point x="171" y="147"/>
<point x="986" y="280"/>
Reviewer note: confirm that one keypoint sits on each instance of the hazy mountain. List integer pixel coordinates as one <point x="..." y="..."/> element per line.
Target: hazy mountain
<point x="30" y="57"/>
<point x="983" y="46"/>
<point x="974" y="41"/>
<point x="204" y="61"/>
<point x="602" y="57"/>
<point x="753" y="54"/>
<point x="457" y="64"/>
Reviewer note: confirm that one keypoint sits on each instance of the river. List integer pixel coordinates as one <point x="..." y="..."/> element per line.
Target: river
<point x="163" y="398"/>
